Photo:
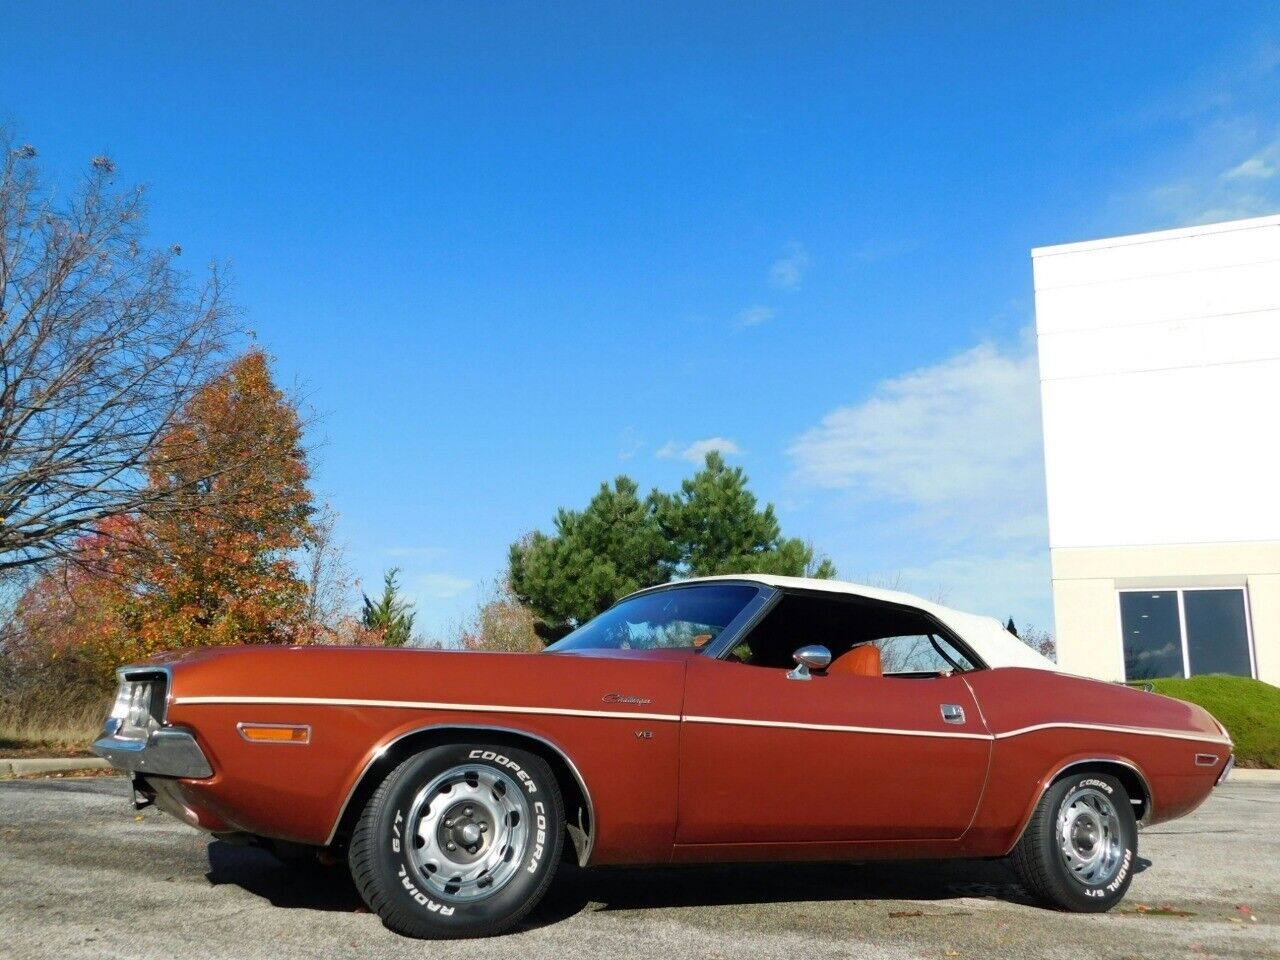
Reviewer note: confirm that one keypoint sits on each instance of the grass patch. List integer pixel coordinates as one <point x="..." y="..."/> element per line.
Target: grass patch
<point x="50" y="726"/>
<point x="1249" y="709"/>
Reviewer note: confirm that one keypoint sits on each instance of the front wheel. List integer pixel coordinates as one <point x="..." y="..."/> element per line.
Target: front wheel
<point x="1078" y="851"/>
<point x="461" y="840"/>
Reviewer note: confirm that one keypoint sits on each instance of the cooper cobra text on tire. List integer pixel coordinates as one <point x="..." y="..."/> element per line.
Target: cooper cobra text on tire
<point x="461" y="840"/>
<point x="1079" y="849"/>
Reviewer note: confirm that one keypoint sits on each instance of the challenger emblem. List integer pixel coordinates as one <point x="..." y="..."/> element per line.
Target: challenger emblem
<point x="623" y="698"/>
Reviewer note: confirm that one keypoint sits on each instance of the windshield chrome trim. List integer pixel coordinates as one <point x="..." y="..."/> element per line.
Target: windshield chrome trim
<point x="744" y="622"/>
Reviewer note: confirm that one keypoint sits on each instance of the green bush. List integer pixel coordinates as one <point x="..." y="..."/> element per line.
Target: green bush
<point x="1249" y="709"/>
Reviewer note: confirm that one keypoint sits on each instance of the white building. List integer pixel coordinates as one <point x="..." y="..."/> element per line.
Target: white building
<point x="1160" y="384"/>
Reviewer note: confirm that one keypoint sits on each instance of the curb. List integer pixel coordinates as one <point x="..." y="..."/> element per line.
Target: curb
<point x="1237" y="775"/>
<point x="25" y="767"/>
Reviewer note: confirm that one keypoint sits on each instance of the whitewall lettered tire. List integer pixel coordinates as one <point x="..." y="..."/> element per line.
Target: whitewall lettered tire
<point x="1080" y="847"/>
<point x="461" y="840"/>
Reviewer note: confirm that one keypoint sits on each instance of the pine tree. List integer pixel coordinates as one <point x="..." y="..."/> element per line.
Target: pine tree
<point x="390" y="614"/>
<point x="620" y="543"/>
<point x="716" y="528"/>
<point x="596" y="555"/>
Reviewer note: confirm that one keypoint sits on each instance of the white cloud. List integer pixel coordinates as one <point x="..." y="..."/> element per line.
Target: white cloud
<point x="697" y="451"/>
<point x="945" y="466"/>
<point x="1234" y="190"/>
<point x="630" y="443"/>
<point x="438" y="586"/>
<point x="787" y="272"/>
<point x="1226" y="162"/>
<point x="1261" y="166"/>
<point x="958" y="431"/>
<point x="1002" y="584"/>
<point x="755" y="315"/>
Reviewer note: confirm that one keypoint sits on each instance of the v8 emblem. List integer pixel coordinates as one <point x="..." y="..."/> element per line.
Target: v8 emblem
<point x="644" y="734"/>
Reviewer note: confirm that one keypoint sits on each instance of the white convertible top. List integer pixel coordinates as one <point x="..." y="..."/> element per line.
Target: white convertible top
<point x="986" y="635"/>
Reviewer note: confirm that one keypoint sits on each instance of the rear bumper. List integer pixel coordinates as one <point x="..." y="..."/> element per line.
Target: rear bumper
<point x="166" y="752"/>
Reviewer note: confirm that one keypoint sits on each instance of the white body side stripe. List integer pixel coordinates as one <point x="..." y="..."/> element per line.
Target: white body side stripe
<point x="725" y="721"/>
<point x="430" y="705"/>
<point x="840" y="728"/>
<point x="1110" y="728"/>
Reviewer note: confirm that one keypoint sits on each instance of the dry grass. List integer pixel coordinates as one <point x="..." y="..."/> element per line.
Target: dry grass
<point x="50" y="725"/>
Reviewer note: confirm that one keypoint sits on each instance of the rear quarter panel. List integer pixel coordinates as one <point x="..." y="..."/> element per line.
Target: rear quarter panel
<point x="297" y="792"/>
<point x="1044" y="721"/>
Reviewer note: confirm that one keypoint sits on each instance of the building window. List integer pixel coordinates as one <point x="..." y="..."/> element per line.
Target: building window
<point x="1152" y="634"/>
<point x="1185" y="632"/>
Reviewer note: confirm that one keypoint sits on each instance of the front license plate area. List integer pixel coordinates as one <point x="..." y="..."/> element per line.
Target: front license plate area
<point x="143" y="795"/>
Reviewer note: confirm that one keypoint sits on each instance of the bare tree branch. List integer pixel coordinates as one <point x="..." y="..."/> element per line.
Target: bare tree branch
<point x="329" y="581"/>
<point x="103" y="341"/>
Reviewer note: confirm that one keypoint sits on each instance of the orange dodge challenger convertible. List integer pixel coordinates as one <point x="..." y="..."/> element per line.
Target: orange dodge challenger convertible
<point x="675" y="727"/>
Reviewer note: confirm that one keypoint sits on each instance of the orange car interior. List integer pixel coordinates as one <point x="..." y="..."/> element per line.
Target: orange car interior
<point x="863" y="661"/>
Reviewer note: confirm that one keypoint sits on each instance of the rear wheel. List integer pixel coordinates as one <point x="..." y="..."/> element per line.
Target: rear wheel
<point x="459" y="841"/>
<point x="1077" y="852"/>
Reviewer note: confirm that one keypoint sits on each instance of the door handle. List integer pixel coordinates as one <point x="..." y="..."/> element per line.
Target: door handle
<point x="952" y="713"/>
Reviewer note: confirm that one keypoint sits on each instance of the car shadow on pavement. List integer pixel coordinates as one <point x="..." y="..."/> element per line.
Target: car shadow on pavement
<point x="627" y="888"/>
<point x="315" y="887"/>
<point x="309" y="887"/>
<point x="633" y="888"/>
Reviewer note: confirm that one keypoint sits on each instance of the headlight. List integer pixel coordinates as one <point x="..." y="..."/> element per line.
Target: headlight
<point x="139" y="707"/>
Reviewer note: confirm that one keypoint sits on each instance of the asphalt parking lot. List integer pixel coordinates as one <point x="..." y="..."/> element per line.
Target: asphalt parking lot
<point x="82" y="875"/>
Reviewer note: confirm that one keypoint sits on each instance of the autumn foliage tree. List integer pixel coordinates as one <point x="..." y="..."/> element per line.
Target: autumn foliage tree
<point x="226" y="574"/>
<point x="500" y="623"/>
<point x="68" y="622"/>
<point x="219" y="570"/>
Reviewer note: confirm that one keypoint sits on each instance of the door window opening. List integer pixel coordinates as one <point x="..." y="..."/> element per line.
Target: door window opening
<point x="910" y="642"/>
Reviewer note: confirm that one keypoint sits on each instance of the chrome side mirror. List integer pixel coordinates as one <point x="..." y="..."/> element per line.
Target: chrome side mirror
<point x="812" y="657"/>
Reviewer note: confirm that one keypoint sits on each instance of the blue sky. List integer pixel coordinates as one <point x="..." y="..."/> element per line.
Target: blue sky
<point x="510" y="252"/>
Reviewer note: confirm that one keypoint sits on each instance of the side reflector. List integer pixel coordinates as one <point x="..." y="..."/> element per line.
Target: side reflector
<point x="275" y="732"/>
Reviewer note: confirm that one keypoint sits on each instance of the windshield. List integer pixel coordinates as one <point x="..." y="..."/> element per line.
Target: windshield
<point x="679" y="618"/>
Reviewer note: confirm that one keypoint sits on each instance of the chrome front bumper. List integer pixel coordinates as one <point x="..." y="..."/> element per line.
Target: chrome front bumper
<point x="166" y="752"/>
<point x="1226" y="771"/>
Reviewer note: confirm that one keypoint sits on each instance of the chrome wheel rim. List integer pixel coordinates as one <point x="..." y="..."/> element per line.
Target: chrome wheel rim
<point x="467" y="833"/>
<point x="1089" y="836"/>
